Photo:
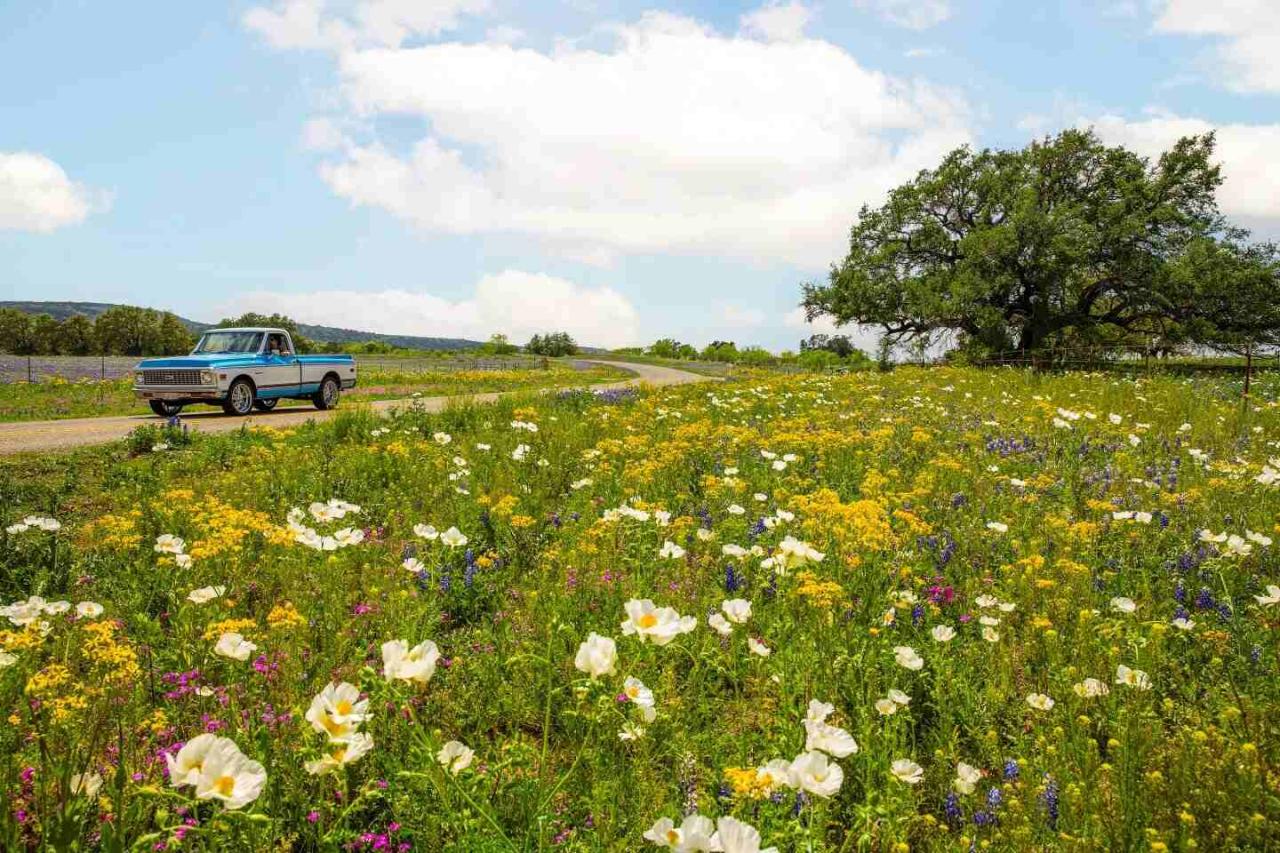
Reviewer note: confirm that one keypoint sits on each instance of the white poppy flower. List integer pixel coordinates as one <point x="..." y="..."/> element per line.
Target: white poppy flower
<point x="906" y="770"/>
<point x="167" y="543"/>
<point x="1270" y="598"/>
<point x="967" y="778"/>
<point x="671" y="551"/>
<point x="235" y="646"/>
<point x="1040" y="701"/>
<point x="89" y="610"/>
<point x="1091" y="688"/>
<point x="906" y="657"/>
<point x="416" y="664"/>
<point x="596" y="656"/>
<point x="738" y="837"/>
<point x="720" y="624"/>
<point x="205" y="594"/>
<point x="814" y="773"/>
<point x="1132" y="677"/>
<point x="228" y="775"/>
<point x="340" y="753"/>
<point x="455" y="757"/>
<point x="337" y="711"/>
<point x="453" y="537"/>
<point x="659" y="625"/>
<point x="737" y="610"/>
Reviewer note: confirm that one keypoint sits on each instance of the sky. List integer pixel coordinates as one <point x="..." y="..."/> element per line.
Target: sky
<point x="620" y="170"/>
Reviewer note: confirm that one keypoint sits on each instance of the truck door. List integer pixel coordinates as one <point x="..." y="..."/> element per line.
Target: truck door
<point x="281" y="374"/>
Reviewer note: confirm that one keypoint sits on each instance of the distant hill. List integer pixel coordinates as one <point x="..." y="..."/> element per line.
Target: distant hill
<point x="323" y="334"/>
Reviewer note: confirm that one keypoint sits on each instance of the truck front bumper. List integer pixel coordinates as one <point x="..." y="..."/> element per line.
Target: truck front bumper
<point x="193" y="392"/>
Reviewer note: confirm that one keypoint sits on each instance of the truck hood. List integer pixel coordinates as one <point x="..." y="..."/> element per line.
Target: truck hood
<point x="198" y="361"/>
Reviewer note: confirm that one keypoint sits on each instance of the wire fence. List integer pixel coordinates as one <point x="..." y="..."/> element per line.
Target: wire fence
<point x="72" y="368"/>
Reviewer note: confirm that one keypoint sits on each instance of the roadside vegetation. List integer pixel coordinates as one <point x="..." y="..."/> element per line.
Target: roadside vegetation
<point x="55" y="398"/>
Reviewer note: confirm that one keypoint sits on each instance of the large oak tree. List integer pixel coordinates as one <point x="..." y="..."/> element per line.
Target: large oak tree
<point x="1065" y="241"/>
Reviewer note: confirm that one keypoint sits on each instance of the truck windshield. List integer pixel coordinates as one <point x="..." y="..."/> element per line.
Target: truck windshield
<point x="230" y="342"/>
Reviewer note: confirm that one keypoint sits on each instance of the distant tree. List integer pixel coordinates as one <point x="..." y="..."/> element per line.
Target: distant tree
<point x="44" y="335"/>
<point x="755" y="356"/>
<point x="720" y="351"/>
<point x="77" y="336"/>
<point x="171" y="336"/>
<point x="15" y="332"/>
<point x="671" y="348"/>
<point x="1015" y="251"/>
<point x="272" y="321"/>
<point x="1234" y="288"/>
<point x="498" y="344"/>
<point x="553" y="344"/>
<point x="838" y="345"/>
<point x="126" y="330"/>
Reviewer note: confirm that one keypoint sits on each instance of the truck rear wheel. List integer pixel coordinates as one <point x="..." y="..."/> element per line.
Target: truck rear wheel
<point x="239" y="398"/>
<point x="165" y="408"/>
<point x="326" y="396"/>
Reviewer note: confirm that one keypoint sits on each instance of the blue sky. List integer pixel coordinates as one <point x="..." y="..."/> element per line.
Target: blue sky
<point x="624" y="170"/>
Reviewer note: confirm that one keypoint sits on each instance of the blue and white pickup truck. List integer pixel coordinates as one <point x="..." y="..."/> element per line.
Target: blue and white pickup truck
<point x="242" y="370"/>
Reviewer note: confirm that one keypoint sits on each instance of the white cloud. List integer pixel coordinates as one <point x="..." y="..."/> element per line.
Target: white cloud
<point x="675" y="139"/>
<point x="519" y="304"/>
<point x="36" y="194"/>
<point x="322" y="134"/>
<point x="1248" y="32"/>
<point x="822" y="325"/>
<point x="1251" y="186"/>
<point x="912" y="14"/>
<point x="777" y="21"/>
<point x="734" y="316"/>
<point x="317" y="24"/>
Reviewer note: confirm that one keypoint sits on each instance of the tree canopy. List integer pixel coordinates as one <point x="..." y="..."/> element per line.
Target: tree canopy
<point x="271" y="321"/>
<point x="1065" y="242"/>
<point x="552" y="344"/>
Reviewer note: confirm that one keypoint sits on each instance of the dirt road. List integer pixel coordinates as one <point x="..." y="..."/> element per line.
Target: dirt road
<point x="37" y="436"/>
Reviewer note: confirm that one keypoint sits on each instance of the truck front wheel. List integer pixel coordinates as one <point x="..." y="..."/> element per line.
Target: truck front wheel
<point x="326" y="396"/>
<point x="239" y="398"/>
<point x="164" y="408"/>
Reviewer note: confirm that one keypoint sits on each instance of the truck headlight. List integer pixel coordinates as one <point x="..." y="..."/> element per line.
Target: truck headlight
<point x="206" y="377"/>
<point x="138" y="377"/>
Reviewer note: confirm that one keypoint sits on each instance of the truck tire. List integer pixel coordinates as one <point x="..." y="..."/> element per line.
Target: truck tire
<point x="265" y="405"/>
<point x="326" y="396"/>
<point x="239" y="399"/>
<point x="164" y="408"/>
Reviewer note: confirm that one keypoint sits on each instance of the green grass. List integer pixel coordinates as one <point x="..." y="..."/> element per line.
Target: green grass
<point x="931" y="496"/>
<point x="86" y="398"/>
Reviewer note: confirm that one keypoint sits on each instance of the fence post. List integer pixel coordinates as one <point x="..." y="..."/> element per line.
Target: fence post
<point x="28" y="370"/>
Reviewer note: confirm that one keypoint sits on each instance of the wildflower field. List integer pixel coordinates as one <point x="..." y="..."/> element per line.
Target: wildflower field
<point x="932" y="609"/>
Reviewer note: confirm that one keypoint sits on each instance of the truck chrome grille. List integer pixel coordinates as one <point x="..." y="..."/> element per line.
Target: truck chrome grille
<point x="171" y="376"/>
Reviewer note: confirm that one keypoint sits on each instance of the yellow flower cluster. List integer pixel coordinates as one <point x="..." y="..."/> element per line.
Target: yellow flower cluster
<point x="111" y="532"/>
<point x="862" y="525"/>
<point x="228" y="626"/>
<point x="285" y="615"/>
<point x="115" y="663"/>
<point x="55" y="688"/>
<point x="746" y="783"/>
<point x="819" y="593"/>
